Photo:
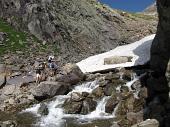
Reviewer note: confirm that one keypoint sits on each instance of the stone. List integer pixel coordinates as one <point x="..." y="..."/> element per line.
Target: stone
<point x="11" y="101"/>
<point x="8" y="123"/>
<point x="127" y="74"/>
<point x="136" y="85"/>
<point x="10" y="89"/>
<point x="43" y="110"/>
<point x="48" y="89"/>
<point x="71" y="74"/>
<point x="98" y="92"/>
<point x="110" y="76"/>
<point x="85" y="94"/>
<point x="111" y="104"/>
<point x="117" y="60"/>
<point x="71" y="107"/>
<point x="135" y="117"/>
<point x="76" y="97"/>
<point x="20" y="80"/>
<point x="88" y="106"/>
<point x="109" y="89"/>
<point x="148" y="123"/>
<point x="30" y="97"/>
<point x="2" y="37"/>
<point x="2" y="80"/>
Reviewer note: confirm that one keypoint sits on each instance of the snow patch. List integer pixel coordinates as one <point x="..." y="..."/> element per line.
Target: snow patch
<point x="139" y="51"/>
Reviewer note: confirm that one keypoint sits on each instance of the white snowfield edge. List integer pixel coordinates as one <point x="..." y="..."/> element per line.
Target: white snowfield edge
<point x="139" y="50"/>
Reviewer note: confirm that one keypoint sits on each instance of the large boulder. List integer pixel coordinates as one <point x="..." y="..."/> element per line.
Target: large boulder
<point x="71" y="74"/>
<point x="49" y="89"/>
<point x="79" y="104"/>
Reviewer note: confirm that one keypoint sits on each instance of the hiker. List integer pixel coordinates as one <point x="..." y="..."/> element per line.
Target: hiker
<point x="52" y="65"/>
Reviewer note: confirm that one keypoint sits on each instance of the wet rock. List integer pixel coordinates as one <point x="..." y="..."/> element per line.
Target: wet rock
<point x="85" y="94"/>
<point x="92" y="77"/>
<point x="148" y="123"/>
<point x="49" y="89"/>
<point x="124" y="92"/>
<point x="127" y="74"/>
<point x="88" y="106"/>
<point x="136" y="85"/>
<point x="43" y="110"/>
<point x="98" y="92"/>
<point x="118" y="82"/>
<point x="117" y="59"/>
<point x="103" y="83"/>
<point x="76" y="97"/>
<point x="109" y="89"/>
<point x="8" y="123"/>
<point x="110" y="76"/>
<point x="111" y="104"/>
<point x="71" y="107"/>
<point x="79" y="104"/>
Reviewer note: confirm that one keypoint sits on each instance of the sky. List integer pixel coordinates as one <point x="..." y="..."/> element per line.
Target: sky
<point x="128" y="5"/>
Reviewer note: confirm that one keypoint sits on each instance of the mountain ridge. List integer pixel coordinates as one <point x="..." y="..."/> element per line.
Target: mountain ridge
<point x="77" y="28"/>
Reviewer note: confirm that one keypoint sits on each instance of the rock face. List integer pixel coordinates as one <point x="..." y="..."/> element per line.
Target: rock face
<point x="78" y="28"/>
<point x="152" y="9"/>
<point x="49" y="89"/>
<point x="158" y="89"/>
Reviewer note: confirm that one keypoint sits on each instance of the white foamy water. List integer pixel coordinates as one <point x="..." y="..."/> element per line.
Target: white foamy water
<point x="56" y="115"/>
<point x="85" y="87"/>
<point x="100" y="110"/>
<point x="33" y="109"/>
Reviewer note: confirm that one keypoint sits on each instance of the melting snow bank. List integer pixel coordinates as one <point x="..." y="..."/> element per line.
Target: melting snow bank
<point x="139" y="51"/>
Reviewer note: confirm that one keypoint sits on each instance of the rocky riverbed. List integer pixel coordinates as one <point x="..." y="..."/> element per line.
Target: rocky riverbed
<point x="104" y="99"/>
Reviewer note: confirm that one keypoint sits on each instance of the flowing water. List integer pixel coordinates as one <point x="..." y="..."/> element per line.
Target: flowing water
<point x="57" y="117"/>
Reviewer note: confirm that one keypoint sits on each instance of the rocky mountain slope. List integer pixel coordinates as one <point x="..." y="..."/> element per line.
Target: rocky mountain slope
<point x="77" y="29"/>
<point x="151" y="9"/>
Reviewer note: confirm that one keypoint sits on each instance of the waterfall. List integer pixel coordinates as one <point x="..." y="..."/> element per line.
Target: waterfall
<point x="56" y="114"/>
<point x="100" y="113"/>
<point x="57" y="117"/>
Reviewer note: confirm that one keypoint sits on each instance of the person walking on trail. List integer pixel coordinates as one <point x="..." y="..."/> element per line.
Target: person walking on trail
<point x="52" y="65"/>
